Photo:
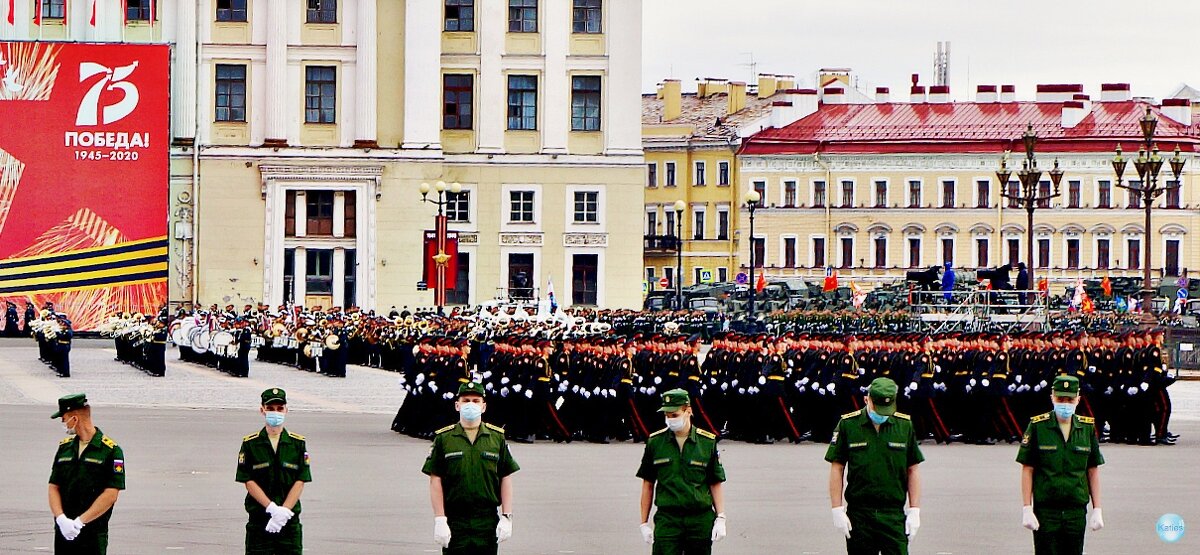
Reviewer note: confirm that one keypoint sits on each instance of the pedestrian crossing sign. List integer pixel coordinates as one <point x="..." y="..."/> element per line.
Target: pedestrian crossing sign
<point x="645" y="287"/>
<point x="706" y="276"/>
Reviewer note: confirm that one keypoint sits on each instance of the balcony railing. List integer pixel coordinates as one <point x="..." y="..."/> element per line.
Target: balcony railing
<point x="661" y="243"/>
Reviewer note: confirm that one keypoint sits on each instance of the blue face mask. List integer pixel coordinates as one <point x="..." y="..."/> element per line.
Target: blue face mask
<point x="471" y="411"/>
<point x="876" y="418"/>
<point x="274" y="419"/>
<point x="1064" y="410"/>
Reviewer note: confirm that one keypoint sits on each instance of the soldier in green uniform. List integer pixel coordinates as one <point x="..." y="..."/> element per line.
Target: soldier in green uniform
<point x="682" y="476"/>
<point x="874" y="454"/>
<point x="273" y="463"/>
<point x="85" y="480"/>
<point x="1060" y="473"/>
<point x="470" y="472"/>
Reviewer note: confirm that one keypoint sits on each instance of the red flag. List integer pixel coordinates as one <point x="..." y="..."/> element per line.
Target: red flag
<point x="831" y="280"/>
<point x="1043" y="285"/>
<point x="37" y="13"/>
<point x="760" y="284"/>
<point x="12" y="7"/>
<point x="1106" y="286"/>
<point x="93" y="20"/>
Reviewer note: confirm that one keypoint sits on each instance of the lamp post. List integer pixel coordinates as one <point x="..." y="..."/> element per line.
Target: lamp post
<point x="1148" y="189"/>
<point x="1030" y="194"/>
<point x="680" y="206"/>
<point x="752" y="199"/>
<point x="441" y="258"/>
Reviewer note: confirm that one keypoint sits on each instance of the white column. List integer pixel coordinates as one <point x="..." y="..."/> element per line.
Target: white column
<point x="622" y="110"/>
<point x="366" y="77"/>
<point x="183" y="93"/>
<point x="301" y="214"/>
<point x="339" y="214"/>
<point x="277" y="71"/>
<point x="339" y="276"/>
<point x="491" y="107"/>
<point x="556" y="43"/>
<point x="422" y="75"/>
<point x="300" y="271"/>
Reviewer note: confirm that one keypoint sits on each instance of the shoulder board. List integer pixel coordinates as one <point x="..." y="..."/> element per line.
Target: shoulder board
<point x="444" y="430"/>
<point x="250" y="437"/>
<point x="706" y="433"/>
<point x="1040" y="418"/>
<point x="658" y="432"/>
<point x="1087" y="420"/>
<point x="494" y="427"/>
<point x="852" y="414"/>
<point x="296" y="436"/>
<point x="66" y="440"/>
<point x="901" y="415"/>
<point x="108" y="442"/>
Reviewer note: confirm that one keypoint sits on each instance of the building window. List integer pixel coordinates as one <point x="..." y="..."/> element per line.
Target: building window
<point x="669" y="273"/>
<point x="1134" y="247"/>
<point x="458" y="98"/>
<point x="585" y="103"/>
<point x="1103" y="246"/>
<point x="722" y="274"/>
<point x="1171" y="257"/>
<point x="322" y="11"/>
<point x="697" y="275"/>
<point x="231" y="92"/>
<point x="1014" y="252"/>
<point x="760" y="251"/>
<point x="789" y="252"/>
<point x="948" y="190"/>
<point x="520" y="206"/>
<point x="847" y="194"/>
<point x="319" y="208"/>
<point x="722" y="173"/>
<point x="698" y="228"/>
<point x="1105" y="194"/>
<point x="1072" y="254"/>
<point x="231" y="10"/>
<point x="914" y="193"/>
<point x="138" y="10"/>
<point x="761" y="188"/>
<point x="914" y="252"/>
<point x="586" y="17"/>
<point x="983" y="193"/>
<point x="650" y="277"/>
<point x="584" y="278"/>
<point x="349" y="284"/>
<point x="53" y="9"/>
<point x="701" y="175"/>
<point x="461" y="294"/>
<point x="1043" y="260"/>
<point x="881" y="252"/>
<point x="1173" y="189"/>
<point x="320" y="94"/>
<point x="818" y="252"/>
<point x="522" y="16"/>
<point x="671" y="224"/>
<point x="587" y="207"/>
<point x="847" y="252"/>
<point x="789" y="194"/>
<point x="651" y="223"/>
<point x="652" y="175"/>
<point x="670" y="174"/>
<point x="981" y="253"/>
<point x="1135" y="194"/>
<point x="1074" y="192"/>
<point x="818" y="194"/>
<point x="522" y="102"/>
<point x="881" y="193"/>
<point x="350" y="214"/>
<point x="460" y="15"/>
<point x="1043" y="194"/>
<point x="458" y="206"/>
<point x="1014" y="194"/>
<point x="948" y="251"/>
<point x="723" y="225"/>
<point x="318" y="276"/>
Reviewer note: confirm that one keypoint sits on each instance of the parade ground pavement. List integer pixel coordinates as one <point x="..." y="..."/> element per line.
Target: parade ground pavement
<point x="181" y="435"/>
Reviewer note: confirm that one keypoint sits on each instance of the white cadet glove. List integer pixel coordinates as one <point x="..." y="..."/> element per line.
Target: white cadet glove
<point x="68" y="527"/>
<point x="841" y="521"/>
<point x="279" y="518"/>
<point x="718" y="531"/>
<point x="1096" y="522"/>
<point x="441" y="531"/>
<point x="503" y="529"/>
<point x="647" y="532"/>
<point x="913" y="522"/>
<point x="1028" y="519"/>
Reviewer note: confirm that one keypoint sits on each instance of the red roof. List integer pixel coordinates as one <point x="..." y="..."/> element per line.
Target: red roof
<point x="966" y="127"/>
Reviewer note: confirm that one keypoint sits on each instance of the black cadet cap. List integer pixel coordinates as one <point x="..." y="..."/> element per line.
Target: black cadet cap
<point x="274" y="395"/>
<point x="68" y="403"/>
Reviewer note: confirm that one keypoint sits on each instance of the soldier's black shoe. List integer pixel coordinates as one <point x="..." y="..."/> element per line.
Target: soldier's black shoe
<point x="1146" y="441"/>
<point x="986" y="441"/>
<point x="1166" y="441"/>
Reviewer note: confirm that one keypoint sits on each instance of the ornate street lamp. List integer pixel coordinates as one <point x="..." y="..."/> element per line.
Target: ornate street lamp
<point x="1030" y="195"/>
<point x="752" y="200"/>
<point x="680" y="206"/>
<point x="441" y="258"/>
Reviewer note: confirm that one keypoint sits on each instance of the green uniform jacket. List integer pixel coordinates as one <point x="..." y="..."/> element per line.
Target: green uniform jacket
<point x="876" y="461"/>
<point x="274" y="471"/>
<point x="81" y="478"/>
<point x="1060" y="466"/>
<point x="470" y="472"/>
<point x="682" y="477"/>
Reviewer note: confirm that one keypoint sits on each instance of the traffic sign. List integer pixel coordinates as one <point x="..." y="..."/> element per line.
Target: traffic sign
<point x="742" y="278"/>
<point x="645" y="287"/>
<point x="706" y="276"/>
<point x="664" y="283"/>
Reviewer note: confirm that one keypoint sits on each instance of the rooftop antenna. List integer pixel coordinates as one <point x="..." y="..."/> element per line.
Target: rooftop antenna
<point x="753" y="67"/>
<point x="941" y="64"/>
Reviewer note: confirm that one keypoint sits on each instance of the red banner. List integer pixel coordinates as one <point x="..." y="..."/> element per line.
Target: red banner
<point x="84" y="166"/>
<point x="451" y="262"/>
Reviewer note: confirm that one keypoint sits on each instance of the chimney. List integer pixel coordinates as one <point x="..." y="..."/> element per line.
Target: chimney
<point x="792" y="105"/>
<point x="834" y="95"/>
<point x="939" y="94"/>
<point x="785" y="82"/>
<point x="985" y="94"/>
<point x="1178" y="109"/>
<point x="1114" y="92"/>
<point x="766" y="85"/>
<point x="711" y="86"/>
<point x="737" y="97"/>
<point x="672" y="103"/>
<point x="882" y="95"/>
<point x="1085" y="99"/>
<point x="1057" y="93"/>
<point x="917" y="94"/>
<point x="1072" y="113"/>
<point x="1008" y="93"/>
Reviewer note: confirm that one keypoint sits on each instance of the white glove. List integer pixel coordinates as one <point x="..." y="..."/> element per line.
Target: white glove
<point x="647" y="532"/>
<point x="1145" y="386"/>
<point x="657" y="380"/>
<point x="718" y="531"/>
<point x="841" y="521"/>
<point x="762" y="380"/>
<point x="517" y="388"/>
<point x="504" y="392"/>
<point x="1028" y="519"/>
<point x="972" y="382"/>
<point x="1017" y="378"/>
<point x="441" y="531"/>
<point x="68" y="527"/>
<point x="528" y="393"/>
<point x="448" y="396"/>
<point x="1132" y="390"/>
<point x="432" y="387"/>
<point x="985" y="382"/>
<point x="1096" y="522"/>
<point x="724" y="387"/>
<point x="420" y="379"/>
<point x="279" y="518"/>
<point x="503" y="529"/>
<point x="912" y="523"/>
<point x="504" y="380"/>
<point x="968" y="388"/>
